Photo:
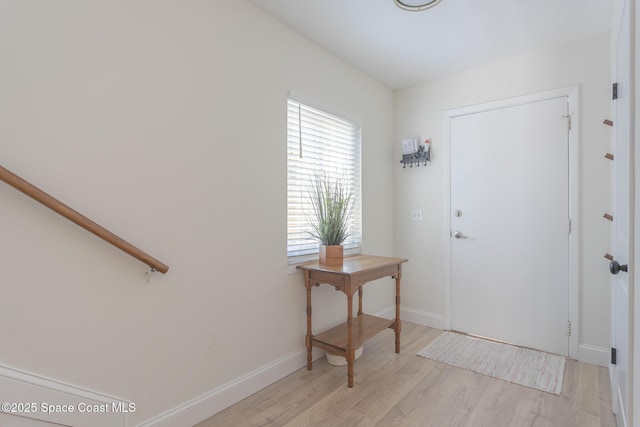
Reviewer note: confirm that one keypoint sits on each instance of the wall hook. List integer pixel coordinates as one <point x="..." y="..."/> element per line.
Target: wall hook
<point x="148" y="274"/>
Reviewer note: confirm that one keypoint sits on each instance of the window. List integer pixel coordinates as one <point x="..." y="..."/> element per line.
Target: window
<point x="318" y="142"/>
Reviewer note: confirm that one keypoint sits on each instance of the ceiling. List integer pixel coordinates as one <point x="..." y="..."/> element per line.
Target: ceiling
<point x="401" y="48"/>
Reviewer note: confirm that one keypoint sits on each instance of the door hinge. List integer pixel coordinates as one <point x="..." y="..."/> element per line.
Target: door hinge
<point x="614" y="356"/>
<point x="614" y="91"/>
<point x="569" y="226"/>
<point x="569" y="328"/>
<point x="568" y="117"/>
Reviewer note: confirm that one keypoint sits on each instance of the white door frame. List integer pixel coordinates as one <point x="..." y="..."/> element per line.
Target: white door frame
<point x="572" y="92"/>
<point x="634" y="310"/>
<point x="632" y="416"/>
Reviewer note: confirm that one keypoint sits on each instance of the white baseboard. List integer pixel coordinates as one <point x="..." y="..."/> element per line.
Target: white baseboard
<point x="43" y="395"/>
<point x="621" y="416"/>
<point x="594" y="354"/>
<point x="208" y="404"/>
<point x="423" y="318"/>
<point x="414" y="316"/>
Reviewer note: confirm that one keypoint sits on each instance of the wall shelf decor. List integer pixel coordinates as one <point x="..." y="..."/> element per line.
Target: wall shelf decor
<point x="415" y="152"/>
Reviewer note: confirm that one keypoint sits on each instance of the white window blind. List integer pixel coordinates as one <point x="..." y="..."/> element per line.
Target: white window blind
<point x="318" y="142"/>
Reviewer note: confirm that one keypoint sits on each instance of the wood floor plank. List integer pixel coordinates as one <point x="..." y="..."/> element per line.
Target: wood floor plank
<point x="406" y="390"/>
<point x="496" y="406"/>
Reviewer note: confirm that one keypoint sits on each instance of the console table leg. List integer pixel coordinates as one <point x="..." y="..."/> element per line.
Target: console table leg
<point x="309" y="353"/>
<point x="350" y="350"/>
<point x="398" y="324"/>
<point x="309" y="335"/>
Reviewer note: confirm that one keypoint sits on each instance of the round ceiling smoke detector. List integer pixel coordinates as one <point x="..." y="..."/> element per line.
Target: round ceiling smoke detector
<point x="416" y="5"/>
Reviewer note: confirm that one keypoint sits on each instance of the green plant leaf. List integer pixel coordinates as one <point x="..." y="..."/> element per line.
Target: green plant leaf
<point x="331" y="202"/>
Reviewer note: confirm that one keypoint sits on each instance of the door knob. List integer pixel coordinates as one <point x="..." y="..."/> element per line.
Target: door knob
<point x="459" y="235"/>
<point x="615" y="267"/>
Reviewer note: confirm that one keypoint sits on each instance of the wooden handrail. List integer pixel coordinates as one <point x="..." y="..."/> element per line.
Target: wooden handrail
<point x="52" y="203"/>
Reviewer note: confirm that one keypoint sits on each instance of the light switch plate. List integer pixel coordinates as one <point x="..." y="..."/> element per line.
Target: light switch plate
<point x="416" y="215"/>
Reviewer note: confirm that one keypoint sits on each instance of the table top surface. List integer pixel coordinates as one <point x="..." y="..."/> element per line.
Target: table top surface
<point x="354" y="264"/>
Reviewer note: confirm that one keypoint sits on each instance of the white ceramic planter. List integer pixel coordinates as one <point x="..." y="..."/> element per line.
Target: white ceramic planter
<point x="337" y="360"/>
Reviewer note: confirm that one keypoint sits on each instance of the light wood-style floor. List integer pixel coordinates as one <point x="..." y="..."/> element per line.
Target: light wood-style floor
<point x="406" y="390"/>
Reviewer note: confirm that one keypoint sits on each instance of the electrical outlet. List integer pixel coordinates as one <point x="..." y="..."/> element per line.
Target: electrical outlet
<point x="416" y="215"/>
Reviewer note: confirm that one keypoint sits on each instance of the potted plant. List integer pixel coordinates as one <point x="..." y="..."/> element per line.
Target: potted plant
<point x="331" y="202"/>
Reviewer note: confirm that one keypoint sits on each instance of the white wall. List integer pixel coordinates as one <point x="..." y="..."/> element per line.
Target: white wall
<point x="165" y="122"/>
<point x="419" y="112"/>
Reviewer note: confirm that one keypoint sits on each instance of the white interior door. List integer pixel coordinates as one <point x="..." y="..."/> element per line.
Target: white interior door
<point x="620" y="299"/>
<point x="510" y="224"/>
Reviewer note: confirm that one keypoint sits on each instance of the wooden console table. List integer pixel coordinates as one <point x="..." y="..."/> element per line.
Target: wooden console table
<point x="350" y="277"/>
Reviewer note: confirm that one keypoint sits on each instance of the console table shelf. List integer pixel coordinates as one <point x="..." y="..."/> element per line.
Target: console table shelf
<point x="365" y="326"/>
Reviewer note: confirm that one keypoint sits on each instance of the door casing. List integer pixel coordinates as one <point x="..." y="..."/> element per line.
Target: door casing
<point x="622" y="308"/>
<point x="572" y="93"/>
